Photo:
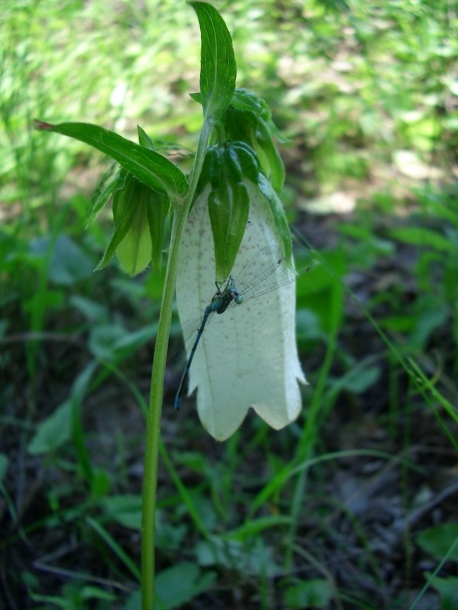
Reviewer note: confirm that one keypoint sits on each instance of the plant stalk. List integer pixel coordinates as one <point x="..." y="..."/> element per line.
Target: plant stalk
<point x="181" y="211"/>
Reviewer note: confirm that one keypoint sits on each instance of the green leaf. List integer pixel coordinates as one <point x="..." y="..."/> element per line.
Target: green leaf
<point x="93" y="311"/>
<point x="249" y="558"/>
<point x="253" y="527"/>
<point x="180" y="584"/>
<point x="218" y="68"/>
<point x="448" y="590"/>
<point x="58" y="428"/>
<point x="125" y="204"/>
<point x="358" y="381"/>
<point x="439" y="539"/>
<point x="175" y="587"/>
<point x="315" y="593"/>
<point x="113" y="343"/>
<point x="69" y="263"/>
<point x="429" y="313"/>
<point x="144" y="139"/>
<point x="53" y="432"/>
<point x="146" y="165"/>
<point x="114" y="546"/>
<point x="420" y="236"/>
<point x="125" y="509"/>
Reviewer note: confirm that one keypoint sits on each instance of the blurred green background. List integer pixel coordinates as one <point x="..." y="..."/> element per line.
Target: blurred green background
<point x="367" y="95"/>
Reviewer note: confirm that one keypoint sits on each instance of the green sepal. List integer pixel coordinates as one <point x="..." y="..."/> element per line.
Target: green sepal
<point x="245" y="158"/>
<point x="250" y="168"/>
<point x="218" y="68"/>
<point x="123" y="215"/>
<point x="228" y="207"/>
<point x="135" y="250"/>
<point x="138" y="215"/>
<point x="251" y="128"/>
<point x="225" y="169"/>
<point x="264" y="142"/>
<point x="104" y="195"/>
<point x="130" y="210"/>
<point x="157" y="208"/>
<point x="278" y="213"/>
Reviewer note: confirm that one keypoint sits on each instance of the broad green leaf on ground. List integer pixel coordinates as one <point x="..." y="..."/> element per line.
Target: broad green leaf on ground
<point x="314" y="593"/>
<point x="112" y="342"/>
<point x="250" y="557"/>
<point x="179" y="584"/>
<point x="126" y="509"/>
<point x="175" y="587"/>
<point x="58" y="428"/>
<point x="448" y="590"/>
<point x="69" y="263"/>
<point x="218" y="68"/>
<point x="53" y="432"/>
<point x="439" y="539"/>
<point x="146" y="165"/>
<point x="420" y="236"/>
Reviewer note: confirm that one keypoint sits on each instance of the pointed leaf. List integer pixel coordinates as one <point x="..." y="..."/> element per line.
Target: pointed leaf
<point x="146" y="165"/>
<point x="218" y="68"/>
<point x="52" y="432"/>
<point x="144" y="139"/>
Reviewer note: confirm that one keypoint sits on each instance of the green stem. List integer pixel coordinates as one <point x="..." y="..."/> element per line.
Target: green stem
<point x="157" y="376"/>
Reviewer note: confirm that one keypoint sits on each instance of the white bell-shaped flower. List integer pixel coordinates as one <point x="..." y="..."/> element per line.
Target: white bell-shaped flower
<point x="247" y="356"/>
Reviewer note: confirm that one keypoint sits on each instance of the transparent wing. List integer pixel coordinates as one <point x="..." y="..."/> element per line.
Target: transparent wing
<point x="267" y="271"/>
<point x="189" y="328"/>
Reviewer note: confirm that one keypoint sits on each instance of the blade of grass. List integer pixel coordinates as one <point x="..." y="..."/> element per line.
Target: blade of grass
<point x="121" y="554"/>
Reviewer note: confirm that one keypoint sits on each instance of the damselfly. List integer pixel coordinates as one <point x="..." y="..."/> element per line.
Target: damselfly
<point x="266" y="271"/>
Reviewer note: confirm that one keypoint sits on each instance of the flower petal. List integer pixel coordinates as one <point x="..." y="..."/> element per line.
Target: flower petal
<point x="247" y="356"/>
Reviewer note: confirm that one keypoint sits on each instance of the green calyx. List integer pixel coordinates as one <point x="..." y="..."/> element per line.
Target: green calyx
<point x="248" y="119"/>
<point x="138" y="214"/>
